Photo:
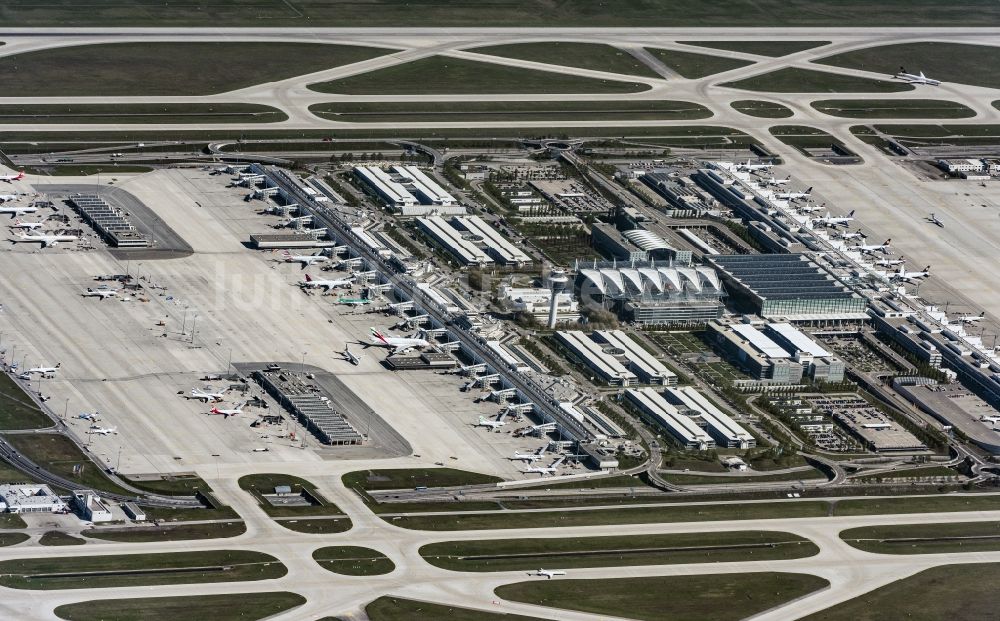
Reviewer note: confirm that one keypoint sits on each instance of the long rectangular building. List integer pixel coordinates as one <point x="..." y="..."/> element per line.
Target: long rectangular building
<point x="388" y="189"/>
<point x="453" y="241"/>
<point x="496" y="244"/>
<point x="610" y="369"/>
<point x="725" y="430"/>
<point x="428" y="191"/>
<point x="681" y="426"/>
<point x="643" y="363"/>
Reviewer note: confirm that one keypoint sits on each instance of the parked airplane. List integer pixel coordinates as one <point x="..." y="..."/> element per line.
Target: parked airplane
<point x="305" y="259"/>
<point x="548" y="573"/>
<point x="46" y="240"/>
<point x="104" y="431"/>
<point x="229" y="412"/>
<point x="828" y="220"/>
<point x="9" y="178"/>
<point x="795" y="195"/>
<point x="45" y="370"/>
<point x="8" y="197"/>
<point x="934" y="220"/>
<point x="30" y="226"/>
<point x="870" y="248"/>
<point x="885" y="262"/>
<point x="990" y="419"/>
<point x="809" y="208"/>
<point x="849" y="235"/>
<point x="902" y="274"/>
<point x="354" y="301"/>
<point x="87" y="416"/>
<point x="351" y="357"/>
<point x="752" y="167"/>
<point x="779" y="182"/>
<point x="972" y="318"/>
<point x="398" y="344"/>
<point x="529" y="457"/>
<point x="544" y="470"/>
<point x="17" y="211"/>
<point x="99" y="293"/>
<point x="915" y="78"/>
<point x="326" y="285"/>
<point x="491" y="424"/>
<point x="206" y="396"/>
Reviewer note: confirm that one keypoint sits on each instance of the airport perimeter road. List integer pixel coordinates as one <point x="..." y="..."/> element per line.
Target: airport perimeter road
<point x="850" y="571"/>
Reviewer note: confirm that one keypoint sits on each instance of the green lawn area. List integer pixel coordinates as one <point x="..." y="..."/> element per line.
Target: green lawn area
<point x="353" y="561"/>
<point x="59" y="538"/>
<point x="317" y="526"/>
<point x="260" y="484"/>
<point x="791" y="477"/>
<point x="514" y="111"/>
<point x="194" y="514"/>
<point x="594" y="56"/>
<point x="688" y="598"/>
<point x="514" y="13"/>
<point x="12" y="520"/>
<point x="946" y="134"/>
<point x="229" y="607"/>
<point x="917" y="504"/>
<point x="126" y="570"/>
<point x="761" y="47"/>
<point x="17" y="410"/>
<point x="893" y="108"/>
<point x="180" y="531"/>
<point x="165" y="68"/>
<point x="693" y="65"/>
<point x="618" y="551"/>
<point x="795" y="80"/>
<point x="10" y="474"/>
<point x="398" y="609"/>
<point x="978" y="65"/>
<point x="409" y="478"/>
<point x="802" y="137"/>
<point x="140" y="113"/>
<point x="925" y="538"/>
<point x="622" y="480"/>
<point x="180" y="485"/>
<point x="929" y="471"/>
<point x="947" y="592"/>
<point x="9" y="539"/>
<point x="762" y="109"/>
<point x="58" y="454"/>
<point x="439" y="74"/>
<point x="82" y="170"/>
<point x="618" y="515"/>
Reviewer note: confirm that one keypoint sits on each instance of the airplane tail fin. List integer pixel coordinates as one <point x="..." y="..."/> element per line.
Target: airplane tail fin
<point x="928" y="269"/>
<point x="850" y="215"/>
<point x="308" y="278"/>
<point x="58" y="364"/>
<point x="887" y="242"/>
<point x="19" y="176"/>
<point x="808" y="190"/>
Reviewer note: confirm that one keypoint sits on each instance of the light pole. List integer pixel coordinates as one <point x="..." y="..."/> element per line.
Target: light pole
<point x="194" y="322"/>
<point x="302" y="367"/>
<point x="66" y="410"/>
<point x="229" y="363"/>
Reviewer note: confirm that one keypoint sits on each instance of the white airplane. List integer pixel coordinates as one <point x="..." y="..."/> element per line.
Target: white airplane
<point x="491" y="424"/>
<point x="99" y="293"/>
<point x="779" y="182"/>
<point x="205" y="395"/>
<point x="972" y="318"/>
<point x="828" y="220"/>
<point x="104" y="431"/>
<point x="810" y="208"/>
<point x="902" y="274"/>
<point x="934" y="220"/>
<point x="9" y="178"/>
<point x="989" y="419"/>
<point x="791" y="196"/>
<point x="29" y="226"/>
<point x="548" y="573"/>
<point x="229" y="412"/>
<point x="544" y="470"/>
<point x="326" y="285"/>
<point x="849" y="235"/>
<point x="886" y="262"/>
<point x="8" y="197"/>
<point x="305" y="259"/>
<point x="752" y="167"/>
<point x="398" y="344"/>
<point x="871" y="248"/>
<point x="528" y="457"/>
<point x="915" y="78"/>
<point x="44" y="370"/>
<point x="350" y="356"/>
<point x="16" y="212"/>
<point x="46" y="240"/>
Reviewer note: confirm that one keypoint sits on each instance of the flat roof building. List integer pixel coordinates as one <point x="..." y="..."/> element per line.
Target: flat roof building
<point x="454" y="241"/>
<point x="90" y="506"/>
<point x="649" y="369"/>
<point x="662" y="412"/>
<point x="496" y="245"/>
<point x="427" y="190"/>
<point x="30" y="498"/>
<point x="388" y="189"/>
<point x="720" y="426"/>
<point x="589" y="352"/>
<point x="776" y="352"/>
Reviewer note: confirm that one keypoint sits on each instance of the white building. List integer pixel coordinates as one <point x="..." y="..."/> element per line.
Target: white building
<point x="962" y="166"/>
<point x="30" y="499"/>
<point x="91" y="507"/>
<point x="535" y="300"/>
